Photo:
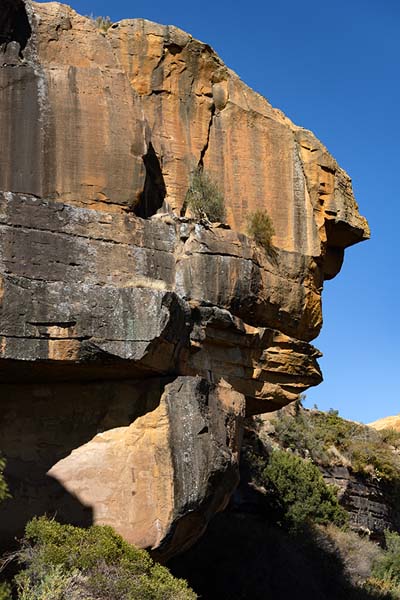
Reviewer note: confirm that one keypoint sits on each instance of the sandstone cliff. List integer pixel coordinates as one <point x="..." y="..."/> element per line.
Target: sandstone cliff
<point x="133" y="339"/>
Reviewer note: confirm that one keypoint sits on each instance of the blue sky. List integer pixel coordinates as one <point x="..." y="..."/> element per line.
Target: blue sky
<point x="332" y="67"/>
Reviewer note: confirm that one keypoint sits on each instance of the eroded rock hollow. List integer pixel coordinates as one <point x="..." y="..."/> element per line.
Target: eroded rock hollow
<point x="133" y="340"/>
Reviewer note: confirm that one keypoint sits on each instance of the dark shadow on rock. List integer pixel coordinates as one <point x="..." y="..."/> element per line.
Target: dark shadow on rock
<point x="40" y="424"/>
<point x="14" y="24"/>
<point x="243" y="557"/>
<point x="154" y="192"/>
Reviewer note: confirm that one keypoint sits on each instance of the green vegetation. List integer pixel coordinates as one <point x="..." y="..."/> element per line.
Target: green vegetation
<point x="386" y="571"/>
<point x="102" y="23"/>
<point x="282" y="466"/>
<point x="63" y="562"/>
<point x="328" y="439"/>
<point x="204" y="198"/>
<point x="5" y="590"/>
<point x="260" y="228"/>
<point x="297" y="491"/>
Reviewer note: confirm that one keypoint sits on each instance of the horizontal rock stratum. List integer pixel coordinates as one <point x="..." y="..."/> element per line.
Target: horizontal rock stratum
<point x="134" y="339"/>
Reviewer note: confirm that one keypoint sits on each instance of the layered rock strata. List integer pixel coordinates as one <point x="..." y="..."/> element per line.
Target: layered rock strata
<point x="132" y="338"/>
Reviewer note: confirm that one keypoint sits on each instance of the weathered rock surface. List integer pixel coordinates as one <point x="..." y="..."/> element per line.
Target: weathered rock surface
<point x="365" y="500"/>
<point x="132" y="339"/>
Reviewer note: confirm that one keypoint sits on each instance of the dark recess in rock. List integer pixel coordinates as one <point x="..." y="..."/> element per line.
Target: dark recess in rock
<point x="152" y="197"/>
<point x="14" y="24"/>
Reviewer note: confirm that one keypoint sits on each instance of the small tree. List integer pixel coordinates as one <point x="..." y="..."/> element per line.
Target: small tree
<point x="301" y="491"/>
<point x="204" y="198"/>
<point x="260" y="228"/>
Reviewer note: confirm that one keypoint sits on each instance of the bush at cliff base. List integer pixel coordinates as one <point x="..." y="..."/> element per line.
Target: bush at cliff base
<point x="302" y="494"/>
<point x="385" y="577"/>
<point x="63" y="562"/>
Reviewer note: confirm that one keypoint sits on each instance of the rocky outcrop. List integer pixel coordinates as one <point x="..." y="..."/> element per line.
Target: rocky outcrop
<point x="366" y="501"/>
<point x="132" y="338"/>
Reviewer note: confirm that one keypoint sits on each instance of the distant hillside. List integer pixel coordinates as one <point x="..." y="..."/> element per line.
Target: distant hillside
<point x="387" y="423"/>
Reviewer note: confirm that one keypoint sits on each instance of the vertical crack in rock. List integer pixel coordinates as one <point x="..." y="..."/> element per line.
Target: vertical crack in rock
<point x="154" y="192"/>
<point x="205" y="147"/>
<point x="15" y="29"/>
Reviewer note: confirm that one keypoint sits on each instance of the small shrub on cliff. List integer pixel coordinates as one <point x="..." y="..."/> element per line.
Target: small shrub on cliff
<point x="204" y="198"/>
<point x="102" y="23"/>
<point x="301" y="491"/>
<point x="260" y="228"/>
<point x="65" y="562"/>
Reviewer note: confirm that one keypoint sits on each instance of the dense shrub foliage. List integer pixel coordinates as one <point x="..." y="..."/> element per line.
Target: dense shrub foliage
<point x="260" y="228"/>
<point x="298" y="489"/>
<point x="5" y="591"/>
<point x="63" y="562"/>
<point x="204" y="198"/>
<point x="386" y="571"/>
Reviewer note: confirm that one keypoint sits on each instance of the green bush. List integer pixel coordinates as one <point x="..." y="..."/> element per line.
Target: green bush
<point x="5" y="591"/>
<point x="388" y="564"/>
<point x="260" y="228"/>
<point x="63" y="562"/>
<point x="301" y="491"/>
<point x="204" y="198"/>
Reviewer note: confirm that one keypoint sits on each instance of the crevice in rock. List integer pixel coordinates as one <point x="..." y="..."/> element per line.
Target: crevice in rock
<point x="205" y="147"/>
<point x="14" y="26"/>
<point x="154" y="192"/>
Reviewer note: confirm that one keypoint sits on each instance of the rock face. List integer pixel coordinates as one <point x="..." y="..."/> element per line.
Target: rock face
<point x="132" y="338"/>
<point x="366" y="501"/>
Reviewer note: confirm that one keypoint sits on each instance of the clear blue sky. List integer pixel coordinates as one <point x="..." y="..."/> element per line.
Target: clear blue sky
<point x="332" y="67"/>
